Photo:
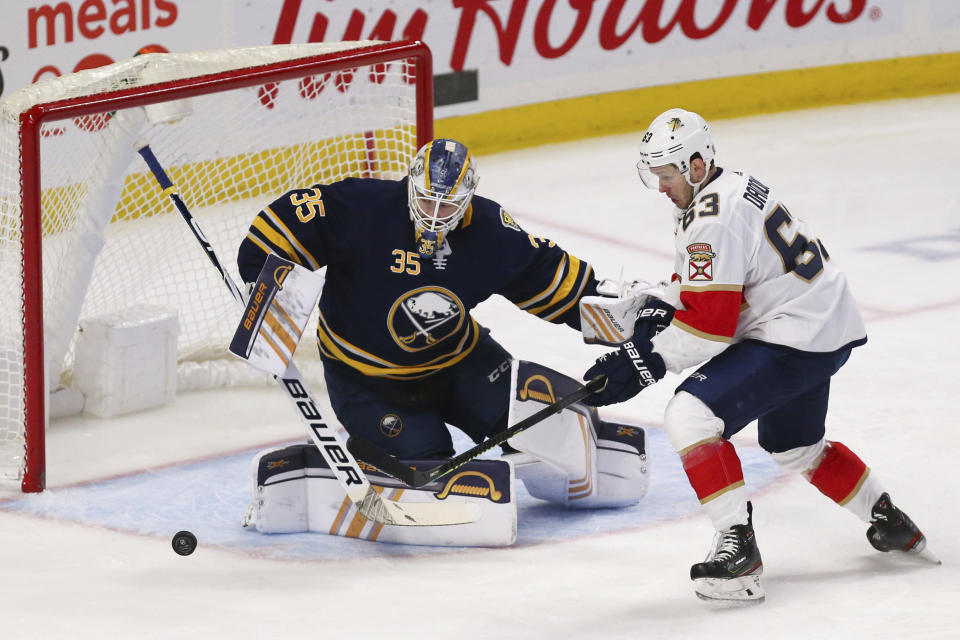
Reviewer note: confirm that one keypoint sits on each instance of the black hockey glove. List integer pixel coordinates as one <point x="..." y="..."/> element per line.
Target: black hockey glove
<point x="654" y="317"/>
<point x="629" y="370"/>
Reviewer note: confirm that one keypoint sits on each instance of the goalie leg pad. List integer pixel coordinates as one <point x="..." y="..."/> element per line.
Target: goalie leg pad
<point x="622" y="465"/>
<point x="294" y="492"/>
<point x="564" y="459"/>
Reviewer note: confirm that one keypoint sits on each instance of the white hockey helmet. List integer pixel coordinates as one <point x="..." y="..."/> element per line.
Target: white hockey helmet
<point x="442" y="179"/>
<point x="674" y="137"/>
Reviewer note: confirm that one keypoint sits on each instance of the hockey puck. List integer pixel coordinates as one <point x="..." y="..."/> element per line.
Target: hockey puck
<point x="184" y="543"/>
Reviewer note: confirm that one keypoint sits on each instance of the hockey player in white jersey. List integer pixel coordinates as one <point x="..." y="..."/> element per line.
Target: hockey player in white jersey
<point x="758" y="302"/>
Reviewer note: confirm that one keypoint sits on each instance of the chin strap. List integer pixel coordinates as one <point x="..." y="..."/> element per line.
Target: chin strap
<point x="699" y="185"/>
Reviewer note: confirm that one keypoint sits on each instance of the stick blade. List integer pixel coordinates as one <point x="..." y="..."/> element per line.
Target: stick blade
<point x="420" y="514"/>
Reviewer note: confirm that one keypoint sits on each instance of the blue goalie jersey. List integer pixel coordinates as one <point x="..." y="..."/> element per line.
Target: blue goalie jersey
<point x="386" y="311"/>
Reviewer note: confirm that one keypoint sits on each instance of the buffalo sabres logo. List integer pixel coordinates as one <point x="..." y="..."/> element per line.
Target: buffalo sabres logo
<point x="470" y="177"/>
<point x="391" y="425"/>
<point x="507" y="220"/>
<point x="418" y="165"/>
<point x="701" y="261"/>
<point x="421" y="318"/>
<point x="674" y="124"/>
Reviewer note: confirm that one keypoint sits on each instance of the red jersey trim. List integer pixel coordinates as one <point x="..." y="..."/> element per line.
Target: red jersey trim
<point x="710" y="312"/>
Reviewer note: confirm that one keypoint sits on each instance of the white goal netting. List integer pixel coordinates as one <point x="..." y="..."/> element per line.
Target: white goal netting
<point x="110" y="240"/>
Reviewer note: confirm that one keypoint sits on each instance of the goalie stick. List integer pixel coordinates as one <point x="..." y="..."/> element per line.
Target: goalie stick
<point x="374" y="455"/>
<point x="369" y="503"/>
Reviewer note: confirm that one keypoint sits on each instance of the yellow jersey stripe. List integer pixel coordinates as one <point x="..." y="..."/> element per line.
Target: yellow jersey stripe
<point x="275" y="238"/>
<point x="583" y="285"/>
<point x="565" y="287"/>
<point x="313" y="264"/>
<point x="352" y="348"/>
<point x="257" y="241"/>
<point x="392" y="370"/>
<point x="553" y="285"/>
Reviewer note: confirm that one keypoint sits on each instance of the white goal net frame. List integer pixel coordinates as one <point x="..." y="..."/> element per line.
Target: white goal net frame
<point x="85" y="232"/>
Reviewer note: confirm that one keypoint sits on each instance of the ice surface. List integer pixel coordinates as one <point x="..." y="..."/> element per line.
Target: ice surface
<point x="91" y="556"/>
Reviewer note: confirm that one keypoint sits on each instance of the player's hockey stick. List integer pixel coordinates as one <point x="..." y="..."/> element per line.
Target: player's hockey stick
<point x="369" y="503"/>
<point x="374" y="455"/>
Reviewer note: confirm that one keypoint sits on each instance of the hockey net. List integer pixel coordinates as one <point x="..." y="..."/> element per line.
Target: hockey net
<point x="85" y="231"/>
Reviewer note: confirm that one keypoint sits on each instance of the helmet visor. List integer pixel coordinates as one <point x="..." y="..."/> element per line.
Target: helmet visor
<point x="649" y="178"/>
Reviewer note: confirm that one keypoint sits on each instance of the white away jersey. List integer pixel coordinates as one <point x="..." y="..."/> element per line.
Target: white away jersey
<point x="747" y="269"/>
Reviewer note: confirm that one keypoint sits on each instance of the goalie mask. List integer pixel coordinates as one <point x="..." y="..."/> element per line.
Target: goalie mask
<point x="674" y="137"/>
<point x="442" y="179"/>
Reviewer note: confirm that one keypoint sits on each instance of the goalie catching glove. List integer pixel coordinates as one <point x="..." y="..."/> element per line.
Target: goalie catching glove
<point x="610" y="317"/>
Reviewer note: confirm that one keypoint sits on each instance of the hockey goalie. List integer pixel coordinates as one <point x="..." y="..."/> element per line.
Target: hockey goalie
<point x="403" y="358"/>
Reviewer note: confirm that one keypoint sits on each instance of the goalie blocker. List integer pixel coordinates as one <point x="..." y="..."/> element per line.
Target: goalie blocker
<point x="277" y="311"/>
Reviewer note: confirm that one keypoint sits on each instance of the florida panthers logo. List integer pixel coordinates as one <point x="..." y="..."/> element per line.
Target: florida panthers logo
<point x="421" y="318"/>
<point x="701" y="261"/>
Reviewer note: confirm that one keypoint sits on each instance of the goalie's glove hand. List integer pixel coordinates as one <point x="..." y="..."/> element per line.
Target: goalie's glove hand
<point x="653" y="317"/>
<point x="629" y="370"/>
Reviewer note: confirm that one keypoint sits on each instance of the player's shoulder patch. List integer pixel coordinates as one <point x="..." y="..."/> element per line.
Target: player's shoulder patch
<point x="507" y="220"/>
<point x="701" y="257"/>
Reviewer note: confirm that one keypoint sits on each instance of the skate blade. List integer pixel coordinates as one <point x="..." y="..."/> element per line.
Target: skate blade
<point x="927" y="555"/>
<point x="921" y="550"/>
<point x="743" y="590"/>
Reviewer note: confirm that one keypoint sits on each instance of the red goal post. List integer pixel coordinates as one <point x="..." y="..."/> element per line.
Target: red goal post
<point x="84" y="233"/>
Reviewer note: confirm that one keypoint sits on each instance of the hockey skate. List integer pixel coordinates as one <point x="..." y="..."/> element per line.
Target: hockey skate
<point x="893" y="530"/>
<point x="732" y="569"/>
